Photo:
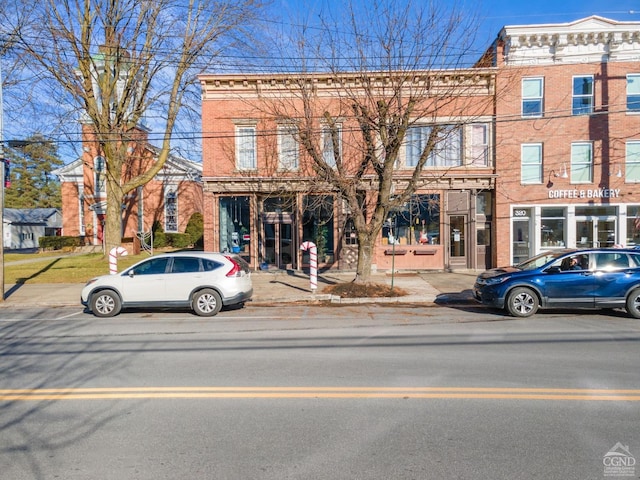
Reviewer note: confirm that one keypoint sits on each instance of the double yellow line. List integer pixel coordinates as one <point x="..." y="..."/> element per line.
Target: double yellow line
<point x="575" y="394"/>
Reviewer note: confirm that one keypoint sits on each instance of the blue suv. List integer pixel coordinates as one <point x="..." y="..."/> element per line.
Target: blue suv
<point x="570" y="278"/>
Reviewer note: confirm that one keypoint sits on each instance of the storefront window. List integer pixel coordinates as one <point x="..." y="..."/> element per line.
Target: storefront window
<point x="633" y="225"/>
<point x="553" y="227"/>
<point x="416" y="222"/>
<point x="234" y="224"/>
<point x="595" y="211"/>
<point x="317" y="224"/>
<point x="279" y="204"/>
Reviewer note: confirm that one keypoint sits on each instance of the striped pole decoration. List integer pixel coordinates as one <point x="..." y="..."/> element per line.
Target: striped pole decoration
<point x="313" y="263"/>
<point x="113" y="261"/>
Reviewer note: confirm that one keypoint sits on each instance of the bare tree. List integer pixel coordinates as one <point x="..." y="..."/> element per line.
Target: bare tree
<point x="125" y="62"/>
<point x="361" y="84"/>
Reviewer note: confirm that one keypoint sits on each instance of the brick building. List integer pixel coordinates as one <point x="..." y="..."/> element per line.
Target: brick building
<point x="170" y="198"/>
<point x="567" y="136"/>
<point x="262" y="199"/>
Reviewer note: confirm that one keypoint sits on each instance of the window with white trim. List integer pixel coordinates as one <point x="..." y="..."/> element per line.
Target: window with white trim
<point x="100" y="175"/>
<point x="246" y="147"/>
<point x="170" y="210"/>
<point x="581" y="162"/>
<point x="81" y="211"/>
<point x="582" y="98"/>
<point x="416" y="141"/>
<point x="447" y="151"/>
<point x="633" y="92"/>
<point x="632" y="163"/>
<point x="532" y="97"/>
<point x="531" y="163"/>
<point x="480" y="145"/>
<point x="329" y="153"/>
<point x="288" y="147"/>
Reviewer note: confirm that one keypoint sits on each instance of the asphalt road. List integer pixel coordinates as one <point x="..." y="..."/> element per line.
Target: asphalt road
<point x="349" y="392"/>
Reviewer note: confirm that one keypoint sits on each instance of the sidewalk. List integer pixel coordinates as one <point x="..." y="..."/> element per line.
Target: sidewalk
<point x="285" y="287"/>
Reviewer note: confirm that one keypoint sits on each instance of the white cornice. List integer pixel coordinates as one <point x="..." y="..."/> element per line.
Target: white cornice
<point x="591" y="39"/>
<point x="468" y="81"/>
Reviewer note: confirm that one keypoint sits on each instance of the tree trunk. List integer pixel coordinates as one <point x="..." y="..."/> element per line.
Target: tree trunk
<point x="113" y="222"/>
<point x="365" y="257"/>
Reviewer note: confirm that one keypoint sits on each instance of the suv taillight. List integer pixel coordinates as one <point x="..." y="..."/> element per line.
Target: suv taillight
<point x="236" y="270"/>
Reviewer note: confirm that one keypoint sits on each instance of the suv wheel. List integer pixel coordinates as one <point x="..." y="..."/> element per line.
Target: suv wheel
<point x="633" y="303"/>
<point x="105" y="303"/>
<point x="522" y="302"/>
<point x="206" y="303"/>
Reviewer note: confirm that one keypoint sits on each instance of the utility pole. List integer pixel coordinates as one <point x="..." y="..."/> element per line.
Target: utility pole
<point x="2" y="168"/>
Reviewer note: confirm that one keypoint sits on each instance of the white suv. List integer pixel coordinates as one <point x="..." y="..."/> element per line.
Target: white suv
<point x="202" y="281"/>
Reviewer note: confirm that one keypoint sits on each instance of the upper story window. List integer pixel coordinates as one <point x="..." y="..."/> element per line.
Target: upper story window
<point x="480" y="144"/>
<point x="581" y="162"/>
<point x="582" y="99"/>
<point x="632" y="162"/>
<point x="633" y="92"/>
<point x="288" y="147"/>
<point x="246" y="147"/>
<point x="532" y="97"/>
<point x="170" y="210"/>
<point x="331" y="151"/>
<point x="447" y="151"/>
<point x="100" y="174"/>
<point x="416" y="142"/>
<point x="531" y="163"/>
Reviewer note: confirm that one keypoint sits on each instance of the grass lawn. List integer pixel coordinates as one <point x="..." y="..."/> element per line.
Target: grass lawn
<point x="60" y="267"/>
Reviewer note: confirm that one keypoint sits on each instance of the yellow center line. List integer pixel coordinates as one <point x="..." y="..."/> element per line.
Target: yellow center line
<point x="486" y="393"/>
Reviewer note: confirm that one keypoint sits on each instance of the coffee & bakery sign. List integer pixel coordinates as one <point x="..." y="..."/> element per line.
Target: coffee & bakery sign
<point x="594" y="193"/>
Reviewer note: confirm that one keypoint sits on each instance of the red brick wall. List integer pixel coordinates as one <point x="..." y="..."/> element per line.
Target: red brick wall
<point x="608" y="128"/>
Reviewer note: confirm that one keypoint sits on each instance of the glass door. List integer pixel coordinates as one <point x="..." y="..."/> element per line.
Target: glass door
<point x="595" y="232"/>
<point x="278" y="242"/>
<point x="286" y="245"/>
<point x="584" y="233"/>
<point x="606" y="232"/>
<point x="458" y="241"/>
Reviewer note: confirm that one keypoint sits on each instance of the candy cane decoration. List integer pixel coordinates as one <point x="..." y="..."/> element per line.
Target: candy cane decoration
<point x="313" y="263"/>
<point x="113" y="261"/>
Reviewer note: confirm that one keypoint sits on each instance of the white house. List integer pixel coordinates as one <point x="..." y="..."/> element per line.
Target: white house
<point x="24" y="226"/>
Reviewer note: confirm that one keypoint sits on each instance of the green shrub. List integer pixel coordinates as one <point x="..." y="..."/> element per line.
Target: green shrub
<point x="58" y="243"/>
<point x="178" y="240"/>
<point x="159" y="237"/>
<point x="195" y="229"/>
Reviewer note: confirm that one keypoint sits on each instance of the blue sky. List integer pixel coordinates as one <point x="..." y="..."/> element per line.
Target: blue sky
<point x="499" y="13"/>
<point x="495" y="13"/>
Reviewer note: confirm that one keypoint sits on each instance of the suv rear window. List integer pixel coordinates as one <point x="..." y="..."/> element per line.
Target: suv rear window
<point x="185" y="265"/>
<point x="242" y="262"/>
<point x="210" y="265"/>
<point x="612" y="261"/>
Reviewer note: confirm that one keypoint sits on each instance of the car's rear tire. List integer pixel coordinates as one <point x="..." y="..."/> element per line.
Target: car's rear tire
<point x="633" y="303"/>
<point x="206" y="303"/>
<point x="105" y="303"/>
<point x="522" y="302"/>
